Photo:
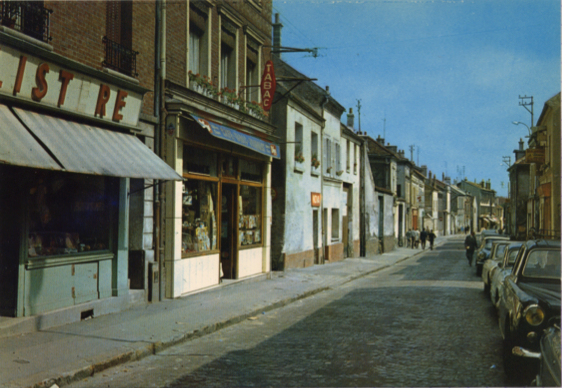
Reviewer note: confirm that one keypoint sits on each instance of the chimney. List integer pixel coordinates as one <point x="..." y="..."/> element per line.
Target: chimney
<point x="443" y="176"/>
<point x="327" y="90"/>
<point x="392" y="148"/>
<point x="521" y="151"/>
<point x="483" y="183"/>
<point x="277" y="26"/>
<point x="380" y="140"/>
<point x="424" y="170"/>
<point x="489" y="184"/>
<point x="350" y="118"/>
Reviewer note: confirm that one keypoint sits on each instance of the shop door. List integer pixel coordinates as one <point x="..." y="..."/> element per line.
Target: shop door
<point x="228" y="231"/>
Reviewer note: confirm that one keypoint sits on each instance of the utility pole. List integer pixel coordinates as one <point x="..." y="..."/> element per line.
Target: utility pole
<point x="412" y="147"/>
<point x="525" y="103"/>
<point x="359" y="112"/>
<point x="507" y="160"/>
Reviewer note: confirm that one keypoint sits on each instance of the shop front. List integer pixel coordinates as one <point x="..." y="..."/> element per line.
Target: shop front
<point x="67" y="154"/>
<point x="221" y="213"/>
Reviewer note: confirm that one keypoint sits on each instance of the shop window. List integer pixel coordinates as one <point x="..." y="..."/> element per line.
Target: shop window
<point x="250" y="211"/>
<point x="70" y="213"/>
<point x="250" y="171"/>
<point x="199" y="221"/>
<point x="199" y="161"/>
<point x="335" y="224"/>
<point x="229" y="167"/>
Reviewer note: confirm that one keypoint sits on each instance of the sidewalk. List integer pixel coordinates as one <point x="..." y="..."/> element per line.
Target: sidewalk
<point x="63" y="354"/>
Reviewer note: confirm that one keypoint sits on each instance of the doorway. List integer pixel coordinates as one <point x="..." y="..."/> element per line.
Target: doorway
<point x="228" y="231"/>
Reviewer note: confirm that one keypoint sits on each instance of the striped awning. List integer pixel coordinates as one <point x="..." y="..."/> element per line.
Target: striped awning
<point x="18" y="147"/>
<point x="86" y="149"/>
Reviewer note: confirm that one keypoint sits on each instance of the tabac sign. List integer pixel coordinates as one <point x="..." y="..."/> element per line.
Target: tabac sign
<point x="268" y="85"/>
<point x="315" y="199"/>
<point x="28" y="77"/>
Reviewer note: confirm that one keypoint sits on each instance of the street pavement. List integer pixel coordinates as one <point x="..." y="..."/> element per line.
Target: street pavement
<point x="64" y="354"/>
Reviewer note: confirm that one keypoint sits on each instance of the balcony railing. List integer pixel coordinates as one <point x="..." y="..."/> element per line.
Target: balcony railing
<point x="27" y="17"/>
<point x="120" y="58"/>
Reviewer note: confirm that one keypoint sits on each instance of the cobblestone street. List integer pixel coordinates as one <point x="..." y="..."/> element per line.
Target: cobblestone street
<point x="422" y="322"/>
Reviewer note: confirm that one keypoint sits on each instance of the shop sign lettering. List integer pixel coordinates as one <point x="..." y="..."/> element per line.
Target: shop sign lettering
<point x="29" y="77"/>
<point x="268" y="85"/>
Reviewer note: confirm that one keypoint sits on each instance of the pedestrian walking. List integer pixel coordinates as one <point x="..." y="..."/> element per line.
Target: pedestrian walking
<point x="423" y="237"/>
<point x="467" y="230"/>
<point x="408" y="237"/>
<point x="431" y="237"/>
<point x="416" y="238"/>
<point x="470" y="245"/>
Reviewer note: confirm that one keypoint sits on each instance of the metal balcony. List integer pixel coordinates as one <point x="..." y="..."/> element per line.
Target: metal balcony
<point x="120" y="58"/>
<point x="27" y="17"/>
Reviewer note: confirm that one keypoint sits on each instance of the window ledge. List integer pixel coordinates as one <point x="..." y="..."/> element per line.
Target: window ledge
<point x="299" y="167"/>
<point x="315" y="171"/>
<point x="120" y="75"/>
<point x="29" y="39"/>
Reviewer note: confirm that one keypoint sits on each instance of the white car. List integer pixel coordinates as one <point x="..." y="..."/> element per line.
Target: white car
<point x="496" y="257"/>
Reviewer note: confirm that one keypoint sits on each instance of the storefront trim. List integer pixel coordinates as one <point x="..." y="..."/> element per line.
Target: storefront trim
<point x="66" y="260"/>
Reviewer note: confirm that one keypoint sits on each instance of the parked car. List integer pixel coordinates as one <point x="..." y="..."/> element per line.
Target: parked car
<point x="486" y="233"/>
<point x="549" y="356"/>
<point x="483" y="251"/>
<point x="490" y="265"/>
<point x="530" y="299"/>
<point x="502" y="270"/>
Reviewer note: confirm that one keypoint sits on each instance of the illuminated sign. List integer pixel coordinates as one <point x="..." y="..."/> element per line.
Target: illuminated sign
<point x="315" y="199"/>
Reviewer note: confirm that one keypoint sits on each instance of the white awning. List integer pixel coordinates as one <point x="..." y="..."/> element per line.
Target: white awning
<point x="18" y="147"/>
<point x="86" y="149"/>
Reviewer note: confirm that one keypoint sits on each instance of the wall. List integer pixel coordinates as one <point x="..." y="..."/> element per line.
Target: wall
<point x="371" y="213"/>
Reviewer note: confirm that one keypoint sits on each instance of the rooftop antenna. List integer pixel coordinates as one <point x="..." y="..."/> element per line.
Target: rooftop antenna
<point x="384" y="126"/>
<point x="412" y="147"/>
<point x="418" y="155"/>
<point x="359" y="112"/>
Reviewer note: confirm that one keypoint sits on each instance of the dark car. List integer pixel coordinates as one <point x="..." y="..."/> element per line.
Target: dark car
<point x="484" y="250"/>
<point x="530" y="299"/>
<point x="502" y="270"/>
<point x="549" y="356"/>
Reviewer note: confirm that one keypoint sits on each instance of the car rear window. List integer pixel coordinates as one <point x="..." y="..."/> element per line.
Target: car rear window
<point x="543" y="263"/>
<point x="500" y="250"/>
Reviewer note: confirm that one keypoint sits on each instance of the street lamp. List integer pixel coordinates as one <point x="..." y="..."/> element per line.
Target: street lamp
<point x="519" y="122"/>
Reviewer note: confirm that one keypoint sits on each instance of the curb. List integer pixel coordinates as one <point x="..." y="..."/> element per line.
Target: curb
<point x="158" y="346"/>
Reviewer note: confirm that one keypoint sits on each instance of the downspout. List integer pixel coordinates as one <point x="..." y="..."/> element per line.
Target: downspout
<point x="324" y="231"/>
<point x="161" y="63"/>
<point x="155" y="189"/>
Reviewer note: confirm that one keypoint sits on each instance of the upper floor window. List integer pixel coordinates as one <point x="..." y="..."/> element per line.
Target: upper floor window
<point x="198" y="39"/>
<point x="228" y="55"/>
<point x="118" y="39"/>
<point x="338" y="158"/>
<point x="347" y="155"/>
<point x="299" y="145"/>
<point x="314" y="157"/>
<point x="29" y="17"/>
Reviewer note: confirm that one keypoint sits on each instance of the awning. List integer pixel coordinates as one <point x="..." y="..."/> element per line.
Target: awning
<point x="232" y="135"/>
<point x="18" y="147"/>
<point x="85" y="149"/>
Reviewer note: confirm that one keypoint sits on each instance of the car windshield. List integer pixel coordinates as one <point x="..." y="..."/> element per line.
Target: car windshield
<point x="488" y="244"/>
<point x="543" y="263"/>
<point x="500" y="250"/>
<point x="512" y="256"/>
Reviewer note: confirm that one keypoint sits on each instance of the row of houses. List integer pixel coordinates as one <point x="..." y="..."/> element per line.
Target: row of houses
<point x="140" y="162"/>
<point x="533" y="209"/>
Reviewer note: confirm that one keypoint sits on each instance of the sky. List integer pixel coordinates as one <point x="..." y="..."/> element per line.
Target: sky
<point x="442" y="75"/>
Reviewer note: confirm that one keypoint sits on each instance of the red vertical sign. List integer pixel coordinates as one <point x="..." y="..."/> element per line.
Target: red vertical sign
<point x="268" y="85"/>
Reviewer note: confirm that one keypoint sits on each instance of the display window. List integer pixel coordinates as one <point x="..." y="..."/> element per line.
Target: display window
<point x="250" y="171"/>
<point x="199" y="219"/>
<point x="70" y="213"/>
<point x="249" y="217"/>
<point x="199" y="161"/>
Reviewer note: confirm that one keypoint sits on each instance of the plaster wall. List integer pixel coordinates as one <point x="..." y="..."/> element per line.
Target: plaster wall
<point x="332" y="199"/>
<point x="302" y="180"/>
<point x="198" y="272"/>
<point x="250" y="262"/>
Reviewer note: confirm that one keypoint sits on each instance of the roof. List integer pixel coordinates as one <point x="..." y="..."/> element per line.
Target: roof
<point x="552" y="102"/>
<point x="475" y="185"/>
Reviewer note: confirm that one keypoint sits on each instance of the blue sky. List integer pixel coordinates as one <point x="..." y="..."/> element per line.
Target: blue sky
<point x="446" y="74"/>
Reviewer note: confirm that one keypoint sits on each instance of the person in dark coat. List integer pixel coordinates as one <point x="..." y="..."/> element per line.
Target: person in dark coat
<point x="423" y="237"/>
<point x="431" y="237"/>
<point x="470" y="245"/>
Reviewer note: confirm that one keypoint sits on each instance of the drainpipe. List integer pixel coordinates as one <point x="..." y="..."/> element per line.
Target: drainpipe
<point x="161" y="128"/>
<point x="155" y="189"/>
<point x="322" y="105"/>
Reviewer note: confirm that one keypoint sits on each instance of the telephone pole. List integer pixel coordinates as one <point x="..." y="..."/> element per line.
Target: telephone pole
<point x="525" y="103"/>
